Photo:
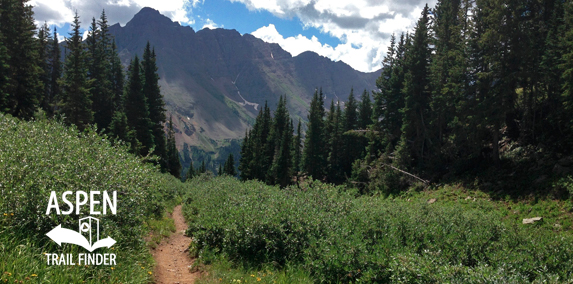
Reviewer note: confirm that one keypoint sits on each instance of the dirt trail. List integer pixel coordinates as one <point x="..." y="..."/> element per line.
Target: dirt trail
<point x="172" y="257"/>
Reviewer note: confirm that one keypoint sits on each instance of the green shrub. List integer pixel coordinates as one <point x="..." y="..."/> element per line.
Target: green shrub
<point x="38" y="157"/>
<point x="341" y="239"/>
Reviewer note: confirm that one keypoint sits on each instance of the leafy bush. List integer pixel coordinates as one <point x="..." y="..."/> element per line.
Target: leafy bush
<point x="39" y="157"/>
<point x="339" y="238"/>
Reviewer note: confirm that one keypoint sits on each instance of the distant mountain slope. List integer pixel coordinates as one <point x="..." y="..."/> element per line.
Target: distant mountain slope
<point x="214" y="81"/>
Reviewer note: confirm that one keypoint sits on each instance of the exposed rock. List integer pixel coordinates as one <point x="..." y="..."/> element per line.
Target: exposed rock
<point x="561" y="170"/>
<point x="532" y="220"/>
<point x="566" y="161"/>
<point x="541" y="179"/>
<point x="432" y="200"/>
<point x="468" y="198"/>
<point x="221" y="76"/>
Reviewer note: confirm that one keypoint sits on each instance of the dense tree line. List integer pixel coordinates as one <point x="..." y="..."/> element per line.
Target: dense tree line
<point x="472" y="81"/>
<point x="275" y="153"/>
<point x="474" y="77"/>
<point x="87" y="87"/>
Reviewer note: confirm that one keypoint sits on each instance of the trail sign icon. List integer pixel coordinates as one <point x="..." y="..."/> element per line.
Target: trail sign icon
<point x="89" y="228"/>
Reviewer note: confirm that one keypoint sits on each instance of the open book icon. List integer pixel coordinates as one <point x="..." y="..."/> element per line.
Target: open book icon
<point x="62" y="235"/>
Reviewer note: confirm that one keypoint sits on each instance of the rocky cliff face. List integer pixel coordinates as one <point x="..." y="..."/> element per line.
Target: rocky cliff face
<point x="215" y="81"/>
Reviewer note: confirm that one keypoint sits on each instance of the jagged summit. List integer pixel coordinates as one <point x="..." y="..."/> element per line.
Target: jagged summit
<point x="150" y="16"/>
<point x="214" y="80"/>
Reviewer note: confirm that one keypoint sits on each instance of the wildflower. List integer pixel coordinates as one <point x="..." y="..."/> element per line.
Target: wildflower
<point x="149" y="272"/>
<point x="220" y="279"/>
<point x="258" y="278"/>
<point x="142" y="267"/>
<point x="34" y="275"/>
<point x="112" y="268"/>
<point x="5" y="214"/>
<point x="252" y="275"/>
<point x="11" y="214"/>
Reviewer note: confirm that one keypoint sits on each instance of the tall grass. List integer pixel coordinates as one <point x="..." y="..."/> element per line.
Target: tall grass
<point x="338" y="238"/>
<point x="42" y="156"/>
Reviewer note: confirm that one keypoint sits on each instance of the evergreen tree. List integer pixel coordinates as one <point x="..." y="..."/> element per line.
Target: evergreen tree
<point x="52" y="101"/>
<point x="262" y="159"/>
<point x="314" y="154"/>
<point x="229" y="168"/>
<point x="44" y="52"/>
<point x="116" y="79"/>
<point x="99" y="50"/>
<point x="364" y="118"/>
<point x="155" y="102"/>
<point x="552" y="82"/>
<point x="23" y="88"/>
<point x="120" y="130"/>
<point x="246" y="157"/>
<point x="4" y="73"/>
<point x="365" y="111"/>
<point x="77" y="102"/>
<point x="383" y="98"/>
<point x="351" y="147"/>
<point x="335" y="172"/>
<point x="567" y="68"/>
<point x="281" y="166"/>
<point x="136" y="108"/>
<point x="417" y="96"/>
<point x="190" y="172"/>
<point x="297" y="149"/>
<point x="448" y="76"/>
<point x="202" y="169"/>
<point x="173" y="163"/>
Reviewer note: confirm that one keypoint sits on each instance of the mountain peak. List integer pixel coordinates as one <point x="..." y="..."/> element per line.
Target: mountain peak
<point x="148" y="15"/>
<point x="148" y="10"/>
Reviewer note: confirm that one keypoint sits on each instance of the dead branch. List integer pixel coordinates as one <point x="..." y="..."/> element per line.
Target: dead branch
<point x="407" y="173"/>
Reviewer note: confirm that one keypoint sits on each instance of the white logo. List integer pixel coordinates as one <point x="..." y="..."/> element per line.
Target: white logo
<point x="84" y="237"/>
<point x="88" y="232"/>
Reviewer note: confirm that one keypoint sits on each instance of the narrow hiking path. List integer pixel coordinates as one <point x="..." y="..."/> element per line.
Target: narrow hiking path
<point x="172" y="257"/>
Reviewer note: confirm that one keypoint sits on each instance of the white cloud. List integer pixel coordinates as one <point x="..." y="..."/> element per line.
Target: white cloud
<point x="364" y="27"/>
<point x="59" y="12"/>
<point x="209" y="24"/>
<point x="294" y="45"/>
<point x="357" y="57"/>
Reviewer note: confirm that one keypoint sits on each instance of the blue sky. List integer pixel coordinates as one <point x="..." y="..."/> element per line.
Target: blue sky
<point x="232" y="16"/>
<point x="354" y="31"/>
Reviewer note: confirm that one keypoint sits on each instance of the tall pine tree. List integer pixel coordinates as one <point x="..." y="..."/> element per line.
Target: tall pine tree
<point x="314" y="152"/>
<point x="173" y="163"/>
<point x="53" y="100"/>
<point x="155" y="102"/>
<point x="136" y="109"/>
<point x="23" y="88"/>
<point x="77" y="102"/>
<point x="415" y="135"/>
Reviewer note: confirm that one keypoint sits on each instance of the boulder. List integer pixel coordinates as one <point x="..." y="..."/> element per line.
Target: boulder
<point x="566" y="161"/>
<point x="561" y="170"/>
<point x="532" y="220"/>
